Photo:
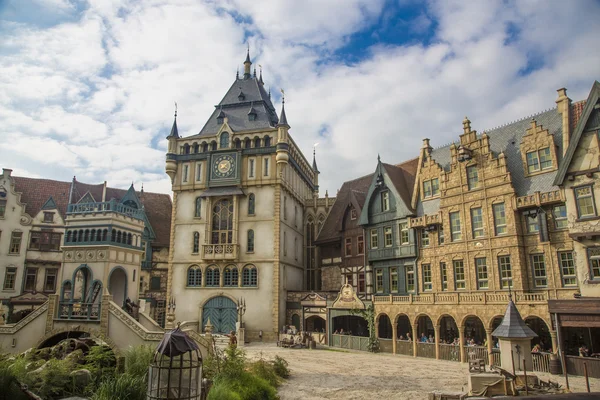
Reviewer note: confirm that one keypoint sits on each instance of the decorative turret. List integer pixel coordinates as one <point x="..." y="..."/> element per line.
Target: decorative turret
<point x="247" y="65"/>
<point x="282" y="136"/>
<point x="316" y="171"/>
<point x="171" y="165"/>
<point x="260" y="79"/>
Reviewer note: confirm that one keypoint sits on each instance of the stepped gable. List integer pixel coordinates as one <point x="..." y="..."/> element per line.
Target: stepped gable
<point x="357" y="187"/>
<point x="507" y="139"/>
<point x="243" y="94"/>
<point x="36" y="192"/>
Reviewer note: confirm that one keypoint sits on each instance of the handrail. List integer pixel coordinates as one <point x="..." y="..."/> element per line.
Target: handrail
<point x="135" y="326"/>
<point x="105" y="206"/>
<point x="11" y="329"/>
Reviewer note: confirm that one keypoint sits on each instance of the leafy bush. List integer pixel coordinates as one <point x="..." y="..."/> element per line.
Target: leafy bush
<point x="234" y="362"/>
<point x="9" y="386"/>
<point x="244" y="385"/>
<point x="222" y="392"/>
<point x="266" y="371"/>
<point x="121" y="387"/>
<point x="280" y="366"/>
<point x="54" y="380"/>
<point x="138" y="359"/>
<point x="101" y="363"/>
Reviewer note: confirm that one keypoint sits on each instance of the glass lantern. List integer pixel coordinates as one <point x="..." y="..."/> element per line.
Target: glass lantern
<point x="176" y="370"/>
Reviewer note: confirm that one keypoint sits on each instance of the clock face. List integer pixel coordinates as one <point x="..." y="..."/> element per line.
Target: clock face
<point x="224" y="166"/>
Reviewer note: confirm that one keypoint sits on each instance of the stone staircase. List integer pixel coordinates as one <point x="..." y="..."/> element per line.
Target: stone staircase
<point x="221" y="341"/>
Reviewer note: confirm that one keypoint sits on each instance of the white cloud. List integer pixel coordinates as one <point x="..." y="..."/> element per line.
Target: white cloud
<point x="95" y="95"/>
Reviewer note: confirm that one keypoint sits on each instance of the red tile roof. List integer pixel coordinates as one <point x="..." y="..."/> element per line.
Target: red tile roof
<point x="35" y="193"/>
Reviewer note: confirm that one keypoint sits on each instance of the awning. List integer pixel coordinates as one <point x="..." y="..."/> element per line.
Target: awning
<point x="222" y="191"/>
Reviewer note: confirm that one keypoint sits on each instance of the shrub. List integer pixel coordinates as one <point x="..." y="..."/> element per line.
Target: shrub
<point x="280" y="366"/>
<point x="101" y="363"/>
<point x="121" y="387"/>
<point x="138" y="360"/>
<point x="234" y="363"/>
<point x="9" y="386"/>
<point x="246" y="386"/>
<point x="266" y="371"/>
<point x="54" y="380"/>
<point x="222" y="391"/>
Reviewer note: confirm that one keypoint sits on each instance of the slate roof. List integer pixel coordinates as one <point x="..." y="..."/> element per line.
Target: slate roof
<point x="35" y="192"/>
<point x="403" y="177"/>
<point x="359" y="188"/>
<point x="512" y="325"/>
<point x="236" y="110"/>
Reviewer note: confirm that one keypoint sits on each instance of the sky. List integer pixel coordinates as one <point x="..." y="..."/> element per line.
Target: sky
<point x="87" y="87"/>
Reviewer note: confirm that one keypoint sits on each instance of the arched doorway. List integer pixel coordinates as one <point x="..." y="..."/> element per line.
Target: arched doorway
<point x="296" y="321"/>
<point x="474" y="331"/>
<point x="384" y="327"/>
<point x="350" y="324"/>
<point x="424" y="328"/>
<point x="403" y="327"/>
<point x="117" y="285"/>
<point x="448" y="329"/>
<point x="315" y="324"/>
<point x="539" y="326"/>
<point x="222" y="312"/>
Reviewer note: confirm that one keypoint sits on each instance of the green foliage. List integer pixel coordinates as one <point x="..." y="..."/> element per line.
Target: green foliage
<point x="280" y="366"/>
<point x="245" y="385"/>
<point x="9" y="386"/>
<point x="369" y="315"/>
<point x="222" y="392"/>
<point x="101" y="363"/>
<point x="266" y="371"/>
<point x="121" y="387"/>
<point x="54" y="380"/>
<point x="138" y="360"/>
<point x="234" y="362"/>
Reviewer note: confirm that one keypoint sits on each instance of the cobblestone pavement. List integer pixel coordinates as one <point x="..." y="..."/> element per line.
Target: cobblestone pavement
<point x="351" y="375"/>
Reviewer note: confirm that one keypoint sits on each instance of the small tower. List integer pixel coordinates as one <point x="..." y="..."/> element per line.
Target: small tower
<point x="316" y="171"/>
<point x="282" y="138"/>
<point x="171" y="164"/>
<point x="247" y="65"/>
<point x="514" y="336"/>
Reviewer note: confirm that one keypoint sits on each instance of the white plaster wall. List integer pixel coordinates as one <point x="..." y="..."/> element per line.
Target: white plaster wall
<point x="27" y="337"/>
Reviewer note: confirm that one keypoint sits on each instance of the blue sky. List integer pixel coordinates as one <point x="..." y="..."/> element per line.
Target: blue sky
<point x="87" y="86"/>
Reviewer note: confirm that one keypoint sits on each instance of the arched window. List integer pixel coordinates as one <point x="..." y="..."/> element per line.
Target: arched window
<point x="267" y="141"/>
<point x="105" y="235"/>
<point x="247" y="143"/>
<point x="68" y="238"/>
<point x="251" y="203"/>
<point x="204" y="147"/>
<point x="196" y="148"/>
<point x="238" y="144"/>
<point x="230" y="276"/>
<point x="118" y="236"/>
<point x="186" y="149"/>
<point x="198" y="209"/>
<point x="249" y="276"/>
<point x="129" y="239"/>
<point x="86" y="236"/>
<point x="224" y="140"/>
<point x="92" y="235"/>
<point x="66" y="290"/>
<point x="196" y="244"/>
<point x="222" y="222"/>
<point x="257" y="142"/>
<point x="213" y="145"/>
<point x="80" y="238"/>
<point x="212" y="276"/>
<point x="194" y="276"/>
<point x="250" y="247"/>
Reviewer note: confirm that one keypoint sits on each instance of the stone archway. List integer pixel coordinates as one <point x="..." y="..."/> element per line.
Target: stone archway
<point x="117" y="285"/>
<point x="539" y="326"/>
<point x="384" y="327"/>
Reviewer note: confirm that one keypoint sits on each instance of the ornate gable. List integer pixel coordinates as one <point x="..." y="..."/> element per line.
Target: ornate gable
<point x="535" y="142"/>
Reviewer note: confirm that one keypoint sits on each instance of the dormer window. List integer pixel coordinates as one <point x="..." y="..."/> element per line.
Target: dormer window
<point x="219" y="120"/>
<point x="48" y="217"/>
<point x="241" y="96"/>
<point x="539" y="160"/>
<point x="352" y="213"/>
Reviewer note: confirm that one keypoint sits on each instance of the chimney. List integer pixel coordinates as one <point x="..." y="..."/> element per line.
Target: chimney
<point x="564" y="108"/>
<point x="6" y="172"/>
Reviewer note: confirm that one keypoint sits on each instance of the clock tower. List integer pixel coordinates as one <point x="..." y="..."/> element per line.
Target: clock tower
<point x="241" y="187"/>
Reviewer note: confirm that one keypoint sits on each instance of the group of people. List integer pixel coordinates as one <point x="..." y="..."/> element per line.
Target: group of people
<point x="469" y="341"/>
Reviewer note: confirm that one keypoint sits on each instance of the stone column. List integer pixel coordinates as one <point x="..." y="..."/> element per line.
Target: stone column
<point x="394" y="335"/>
<point x="490" y="344"/>
<point x="437" y="341"/>
<point x="415" y="338"/>
<point x="553" y="337"/>
<point x="461" y="339"/>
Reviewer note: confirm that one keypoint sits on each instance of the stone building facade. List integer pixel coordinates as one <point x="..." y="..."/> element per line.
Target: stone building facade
<point x="243" y="196"/>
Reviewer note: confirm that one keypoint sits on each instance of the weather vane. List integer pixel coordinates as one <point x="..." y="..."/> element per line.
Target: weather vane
<point x="282" y="95"/>
<point x="175" y="108"/>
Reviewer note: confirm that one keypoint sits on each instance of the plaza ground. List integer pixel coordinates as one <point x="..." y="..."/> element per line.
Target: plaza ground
<point x="329" y="373"/>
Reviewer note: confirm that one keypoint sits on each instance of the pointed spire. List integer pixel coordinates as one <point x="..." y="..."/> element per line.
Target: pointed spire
<point x="142" y="191"/>
<point x="174" y="131"/>
<point x="282" y="117"/>
<point x="237" y="73"/>
<point x="255" y="72"/>
<point x="247" y="64"/>
<point x="260" y="77"/>
<point x="314" y="166"/>
<point x="512" y="325"/>
<point x="378" y="158"/>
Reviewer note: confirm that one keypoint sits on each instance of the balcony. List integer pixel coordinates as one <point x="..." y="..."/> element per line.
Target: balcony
<point x="79" y="311"/>
<point x="220" y="251"/>
<point x="425" y="220"/>
<point x="105" y="207"/>
<point x="478" y="297"/>
<point x="539" y="199"/>
<point x="406" y="251"/>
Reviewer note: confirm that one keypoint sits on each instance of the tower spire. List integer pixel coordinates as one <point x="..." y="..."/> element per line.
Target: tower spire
<point x="247" y="64"/>
<point x="314" y="165"/>
<point x="260" y="77"/>
<point x="174" y="131"/>
<point x="282" y="117"/>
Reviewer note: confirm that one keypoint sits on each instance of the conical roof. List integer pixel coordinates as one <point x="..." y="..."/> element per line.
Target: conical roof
<point x="282" y="117"/>
<point x="512" y="325"/>
<point x="174" y="131"/>
<point x="175" y="343"/>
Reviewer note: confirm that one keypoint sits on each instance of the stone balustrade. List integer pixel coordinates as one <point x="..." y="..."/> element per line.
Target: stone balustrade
<point x="227" y="251"/>
<point x="540" y="199"/>
<point x="477" y="297"/>
<point x="425" y="220"/>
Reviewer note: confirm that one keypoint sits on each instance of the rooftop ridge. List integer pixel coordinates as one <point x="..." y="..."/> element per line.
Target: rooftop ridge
<point x="519" y="120"/>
